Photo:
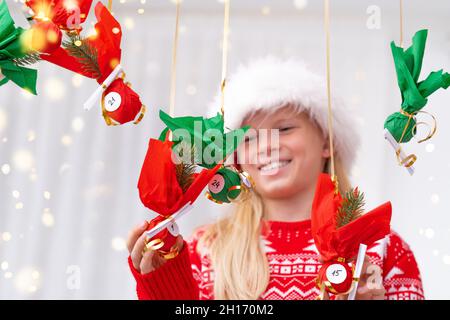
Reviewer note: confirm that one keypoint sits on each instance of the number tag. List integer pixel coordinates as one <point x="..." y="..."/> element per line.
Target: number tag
<point x="173" y="229"/>
<point x="336" y="273"/>
<point x="217" y="183"/>
<point x="112" y="101"/>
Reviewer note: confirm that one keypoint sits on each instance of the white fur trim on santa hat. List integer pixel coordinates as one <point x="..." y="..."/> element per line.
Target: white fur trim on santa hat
<point x="270" y="83"/>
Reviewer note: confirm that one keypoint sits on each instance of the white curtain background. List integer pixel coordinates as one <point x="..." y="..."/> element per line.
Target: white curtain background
<point x="68" y="195"/>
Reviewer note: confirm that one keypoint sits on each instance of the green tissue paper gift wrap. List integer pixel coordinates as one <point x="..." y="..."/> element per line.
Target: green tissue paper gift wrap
<point x="408" y="64"/>
<point x="205" y="135"/>
<point x="11" y="49"/>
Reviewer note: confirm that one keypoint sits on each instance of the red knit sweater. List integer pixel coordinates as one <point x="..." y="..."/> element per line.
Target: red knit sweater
<point x="293" y="265"/>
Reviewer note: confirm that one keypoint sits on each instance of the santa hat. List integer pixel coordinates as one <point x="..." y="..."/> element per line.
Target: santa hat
<point x="270" y="83"/>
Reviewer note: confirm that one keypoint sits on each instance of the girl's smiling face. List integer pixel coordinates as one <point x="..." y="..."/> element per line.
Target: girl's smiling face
<point x="285" y="166"/>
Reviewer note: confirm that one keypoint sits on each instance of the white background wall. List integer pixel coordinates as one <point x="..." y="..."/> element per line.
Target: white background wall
<point x="69" y="197"/>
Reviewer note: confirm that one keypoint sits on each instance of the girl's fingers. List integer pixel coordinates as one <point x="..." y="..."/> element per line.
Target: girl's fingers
<point x="136" y="253"/>
<point x="179" y="242"/>
<point x="135" y="234"/>
<point x="148" y="264"/>
<point x="366" y="293"/>
<point x="153" y="260"/>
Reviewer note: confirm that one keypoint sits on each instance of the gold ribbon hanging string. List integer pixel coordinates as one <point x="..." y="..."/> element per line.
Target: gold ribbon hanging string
<point x="330" y="111"/>
<point x="110" y="5"/>
<point x="401" y="23"/>
<point x="173" y="82"/>
<point x="226" y="32"/>
<point x="410" y="159"/>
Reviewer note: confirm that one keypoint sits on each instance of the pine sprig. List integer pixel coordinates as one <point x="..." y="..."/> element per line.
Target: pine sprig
<point x="28" y="59"/>
<point x="351" y="208"/>
<point x="86" y="54"/>
<point x="185" y="175"/>
<point x="185" y="170"/>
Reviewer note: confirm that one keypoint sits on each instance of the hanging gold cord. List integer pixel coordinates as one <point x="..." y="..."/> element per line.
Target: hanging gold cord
<point x="173" y="76"/>
<point x="226" y="32"/>
<point x="110" y="5"/>
<point x="330" y="112"/>
<point x="401" y="23"/>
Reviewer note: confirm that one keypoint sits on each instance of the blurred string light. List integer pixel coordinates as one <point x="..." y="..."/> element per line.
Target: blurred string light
<point x="77" y="124"/>
<point x="77" y="80"/>
<point x="31" y="136"/>
<point x="66" y="140"/>
<point x="446" y="259"/>
<point x="23" y="160"/>
<point x="3" y="119"/>
<point x="15" y="194"/>
<point x="47" y="218"/>
<point x="434" y="198"/>
<point x="27" y="280"/>
<point x="118" y="244"/>
<point x="6" y="169"/>
<point x="265" y="10"/>
<point x="429" y="233"/>
<point x="300" y="4"/>
<point x="129" y="23"/>
<point x="64" y="168"/>
<point x="26" y="94"/>
<point x="47" y="195"/>
<point x="54" y="89"/>
<point x="6" y="236"/>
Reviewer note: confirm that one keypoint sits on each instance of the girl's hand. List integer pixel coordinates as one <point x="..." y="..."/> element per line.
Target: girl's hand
<point x="151" y="259"/>
<point x="370" y="286"/>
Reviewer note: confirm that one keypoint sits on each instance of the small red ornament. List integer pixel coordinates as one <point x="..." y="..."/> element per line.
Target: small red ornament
<point x="165" y="239"/>
<point x="337" y="276"/>
<point x="67" y="15"/>
<point x="120" y="104"/>
<point x="43" y="37"/>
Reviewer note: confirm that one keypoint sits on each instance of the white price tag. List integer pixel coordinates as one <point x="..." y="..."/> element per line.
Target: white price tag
<point x="336" y="273"/>
<point x="112" y="101"/>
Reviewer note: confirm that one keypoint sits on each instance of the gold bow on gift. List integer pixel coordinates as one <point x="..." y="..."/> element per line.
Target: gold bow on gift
<point x="409" y="160"/>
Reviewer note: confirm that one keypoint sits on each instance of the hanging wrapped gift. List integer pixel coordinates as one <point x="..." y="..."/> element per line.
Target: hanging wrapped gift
<point x="401" y="127"/>
<point x="339" y="225"/>
<point x="98" y="56"/>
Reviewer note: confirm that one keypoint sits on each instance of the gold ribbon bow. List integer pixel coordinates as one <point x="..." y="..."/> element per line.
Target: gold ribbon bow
<point x="409" y="160"/>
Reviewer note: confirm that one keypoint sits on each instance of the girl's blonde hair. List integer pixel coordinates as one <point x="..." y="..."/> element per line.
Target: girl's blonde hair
<point x="241" y="269"/>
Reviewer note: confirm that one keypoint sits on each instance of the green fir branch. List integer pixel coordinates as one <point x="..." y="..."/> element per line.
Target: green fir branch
<point x="28" y="59"/>
<point x="185" y="170"/>
<point x="79" y="48"/>
<point x="351" y="208"/>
